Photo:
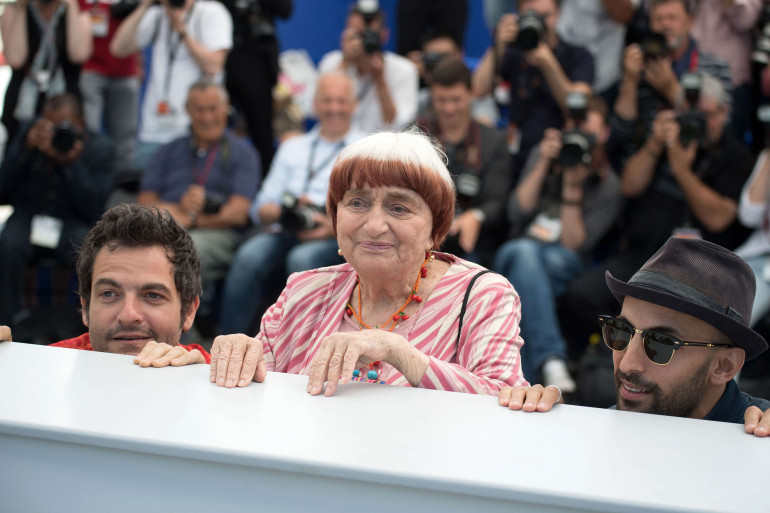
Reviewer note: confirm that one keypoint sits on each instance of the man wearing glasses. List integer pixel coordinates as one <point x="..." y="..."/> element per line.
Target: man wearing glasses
<point x="690" y="304"/>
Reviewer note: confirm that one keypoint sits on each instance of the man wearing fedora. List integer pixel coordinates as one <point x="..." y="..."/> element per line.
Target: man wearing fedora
<point x="690" y="304"/>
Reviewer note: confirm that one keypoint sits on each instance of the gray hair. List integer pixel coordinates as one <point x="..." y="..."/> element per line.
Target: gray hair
<point x="711" y="87"/>
<point x="205" y="83"/>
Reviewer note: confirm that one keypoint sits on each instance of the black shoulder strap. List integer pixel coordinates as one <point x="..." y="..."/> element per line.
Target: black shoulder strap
<point x="465" y="304"/>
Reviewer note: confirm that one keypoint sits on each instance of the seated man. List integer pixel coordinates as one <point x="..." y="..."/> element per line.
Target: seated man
<point x="56" y="175"/>
<point x="385" y="83"/>
<point x="477" y="158"/>
<point x="567" y="199"/>
<point x="139" y="285"/>
<point x="690" y="304"/>
<point x="206" y="180"/>
<point x="293" y="237"/>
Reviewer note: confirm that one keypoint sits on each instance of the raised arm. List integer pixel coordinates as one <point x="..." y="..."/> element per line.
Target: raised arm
<point x="80" y="44"/>
<point x="13" y="28"/>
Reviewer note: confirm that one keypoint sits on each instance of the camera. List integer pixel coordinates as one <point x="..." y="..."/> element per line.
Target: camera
<point x="531" y="30"/>
<point x="576" y="145"/>
<point x="429" y="60"/>
<point x="214" y="201"/>
<point x="295" y="217"/>
<point x="64" y="137"/>
<point x="371" y="41"/>
<point x="123" y="8"/>
<point x="692" y="122"/>
<point x="654" y="46"/>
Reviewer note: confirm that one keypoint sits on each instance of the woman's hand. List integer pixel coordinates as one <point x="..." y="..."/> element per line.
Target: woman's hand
<point x="237" y="360"/>
<point x="342" y="353"/>
<point x="529" y="399"/>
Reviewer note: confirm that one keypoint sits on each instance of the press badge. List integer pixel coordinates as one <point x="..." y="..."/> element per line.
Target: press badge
<point x="513" y="136"/>
<point x="46" y="231"/>
<point x="687" y="233"/>
<point x="544" y="228"/>
<point x="100" y="24"/>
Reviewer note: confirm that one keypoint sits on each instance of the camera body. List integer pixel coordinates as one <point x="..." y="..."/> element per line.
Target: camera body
<point x="429" y="60"/>
<point x="531" y="30"/>
<point x="692" y="122"/>
<point x="64" y="137"/>
<point x="654" y="46"/>
<point x="576" y="145"/>
<point x="295" y="217"/>
<point x="214" y="201"/>
<point x="123" y="8"/>
<point x="371" y="41"/>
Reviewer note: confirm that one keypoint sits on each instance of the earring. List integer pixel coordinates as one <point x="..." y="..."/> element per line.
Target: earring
<point x="339" y="251"/>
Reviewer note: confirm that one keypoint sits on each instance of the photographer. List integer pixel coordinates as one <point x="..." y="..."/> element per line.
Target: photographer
<point x="385" y="84"/>
<point x="44" y="42"/>
<point x="653" y="68"/>
<point x="56" y="176"/>
<point x="565" y="202"/>
<point x="676" y="184"/>
<point x="540" y="70"/>
<point x="296" y="235"/>
<point x="252" y="67"/>
<point x="205" y="180"/>
<point x="190" y="39"/>
<point x="477" y="158"/>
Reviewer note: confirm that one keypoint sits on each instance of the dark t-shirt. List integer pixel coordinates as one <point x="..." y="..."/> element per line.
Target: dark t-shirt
<point x="654" y="216"/>
<point x="234" y="168"/>
<point x="533" y="107"/>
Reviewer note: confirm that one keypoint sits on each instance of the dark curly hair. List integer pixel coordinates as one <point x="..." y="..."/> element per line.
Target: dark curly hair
<point x="137" y="226"/>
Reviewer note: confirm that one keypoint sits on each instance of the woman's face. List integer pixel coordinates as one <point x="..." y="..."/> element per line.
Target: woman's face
<point x="383" y="229"/>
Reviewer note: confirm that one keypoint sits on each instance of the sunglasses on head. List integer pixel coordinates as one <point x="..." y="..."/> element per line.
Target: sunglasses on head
<point x="658" y="346"/>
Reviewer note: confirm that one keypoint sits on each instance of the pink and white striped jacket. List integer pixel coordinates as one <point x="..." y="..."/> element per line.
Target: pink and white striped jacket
<point x="312" y="306"/>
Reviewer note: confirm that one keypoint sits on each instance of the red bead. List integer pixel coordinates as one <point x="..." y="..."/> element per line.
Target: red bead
<point x="423" y="272"/>
<point x="395" y="317"/>
<point x="349" y="311"/>
<point x="416" y="299"/>
<point x="404" y="317"/>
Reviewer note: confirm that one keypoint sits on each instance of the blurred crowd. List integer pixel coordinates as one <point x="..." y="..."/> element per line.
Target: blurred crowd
<point x="587" y="134"/>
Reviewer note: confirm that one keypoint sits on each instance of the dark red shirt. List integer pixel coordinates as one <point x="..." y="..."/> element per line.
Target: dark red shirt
<point x="104" y="27"/>
<point x="84" y="342"/>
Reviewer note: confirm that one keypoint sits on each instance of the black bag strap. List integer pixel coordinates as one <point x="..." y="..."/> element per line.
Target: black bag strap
<point x="465" y="304"/>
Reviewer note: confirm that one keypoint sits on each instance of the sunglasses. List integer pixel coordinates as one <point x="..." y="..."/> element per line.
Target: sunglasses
<point x="658" y="346"/>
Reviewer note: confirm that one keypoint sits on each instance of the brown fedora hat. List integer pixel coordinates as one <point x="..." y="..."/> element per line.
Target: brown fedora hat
<point x="701" y="279"/>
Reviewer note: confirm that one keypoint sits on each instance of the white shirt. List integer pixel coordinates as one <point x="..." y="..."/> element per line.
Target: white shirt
<point x="752" y="215"/>
<point x="210" y="24"/>
<point x="403" y="83"/>
<point x="292" y="171"/>
<point x="585" y="23"/>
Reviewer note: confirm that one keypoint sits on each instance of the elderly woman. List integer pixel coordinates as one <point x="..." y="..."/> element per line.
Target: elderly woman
<point x="398" y="312"/>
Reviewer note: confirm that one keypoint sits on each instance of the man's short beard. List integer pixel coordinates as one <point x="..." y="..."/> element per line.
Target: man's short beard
<point x="680" y="401"/>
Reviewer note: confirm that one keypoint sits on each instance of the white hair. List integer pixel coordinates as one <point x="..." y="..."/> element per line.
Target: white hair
<point x="411" y="146"/>
<point x="711" y="87"/>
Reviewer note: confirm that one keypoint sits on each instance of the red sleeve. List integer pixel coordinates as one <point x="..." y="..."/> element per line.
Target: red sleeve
<point x="205" y="353"/>
<point x="81" y="342"/>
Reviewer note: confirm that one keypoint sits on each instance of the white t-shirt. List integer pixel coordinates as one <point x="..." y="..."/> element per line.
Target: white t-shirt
<point x="403" y="83"/>
<point x="210" y="24"/>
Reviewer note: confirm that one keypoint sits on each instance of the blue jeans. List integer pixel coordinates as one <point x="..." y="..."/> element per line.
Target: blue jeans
<point x="539" y="272"/>
<point x="257" y="263"/>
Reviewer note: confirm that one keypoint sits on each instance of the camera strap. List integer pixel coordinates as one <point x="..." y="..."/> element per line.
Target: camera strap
<point x="173" y="48"/>
<point x="311" y="171"/>
<point x="365" y="87"/>
<point x="201" y="176"/>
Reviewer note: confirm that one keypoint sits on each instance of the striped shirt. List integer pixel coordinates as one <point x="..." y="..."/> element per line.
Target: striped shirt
<point x="312" y="307"/>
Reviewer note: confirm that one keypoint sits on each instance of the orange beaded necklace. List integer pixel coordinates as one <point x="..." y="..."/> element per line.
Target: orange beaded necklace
<point x="399" y="315"/>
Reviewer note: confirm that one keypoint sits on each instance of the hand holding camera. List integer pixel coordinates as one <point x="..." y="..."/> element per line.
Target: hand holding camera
<point x="550" y="146"/>
<point x="193" y="200"/>
<point x="660" y="75"/>
<point x="633" y="61"/>
<point x="62" y="143"/>
<point x="506" y="32"/>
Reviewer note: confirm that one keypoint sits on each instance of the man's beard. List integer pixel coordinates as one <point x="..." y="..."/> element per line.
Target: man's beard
<point x="680" y="401"/>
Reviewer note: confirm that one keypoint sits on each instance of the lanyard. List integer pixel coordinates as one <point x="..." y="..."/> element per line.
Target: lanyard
<point x="202" y="176"/>
<point x="173" y="48"/>
<point x="694" y="60"/>
<point x="312" y="172"/>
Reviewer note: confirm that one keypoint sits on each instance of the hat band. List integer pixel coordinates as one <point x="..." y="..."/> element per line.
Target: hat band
<point x="667" y="284"/>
